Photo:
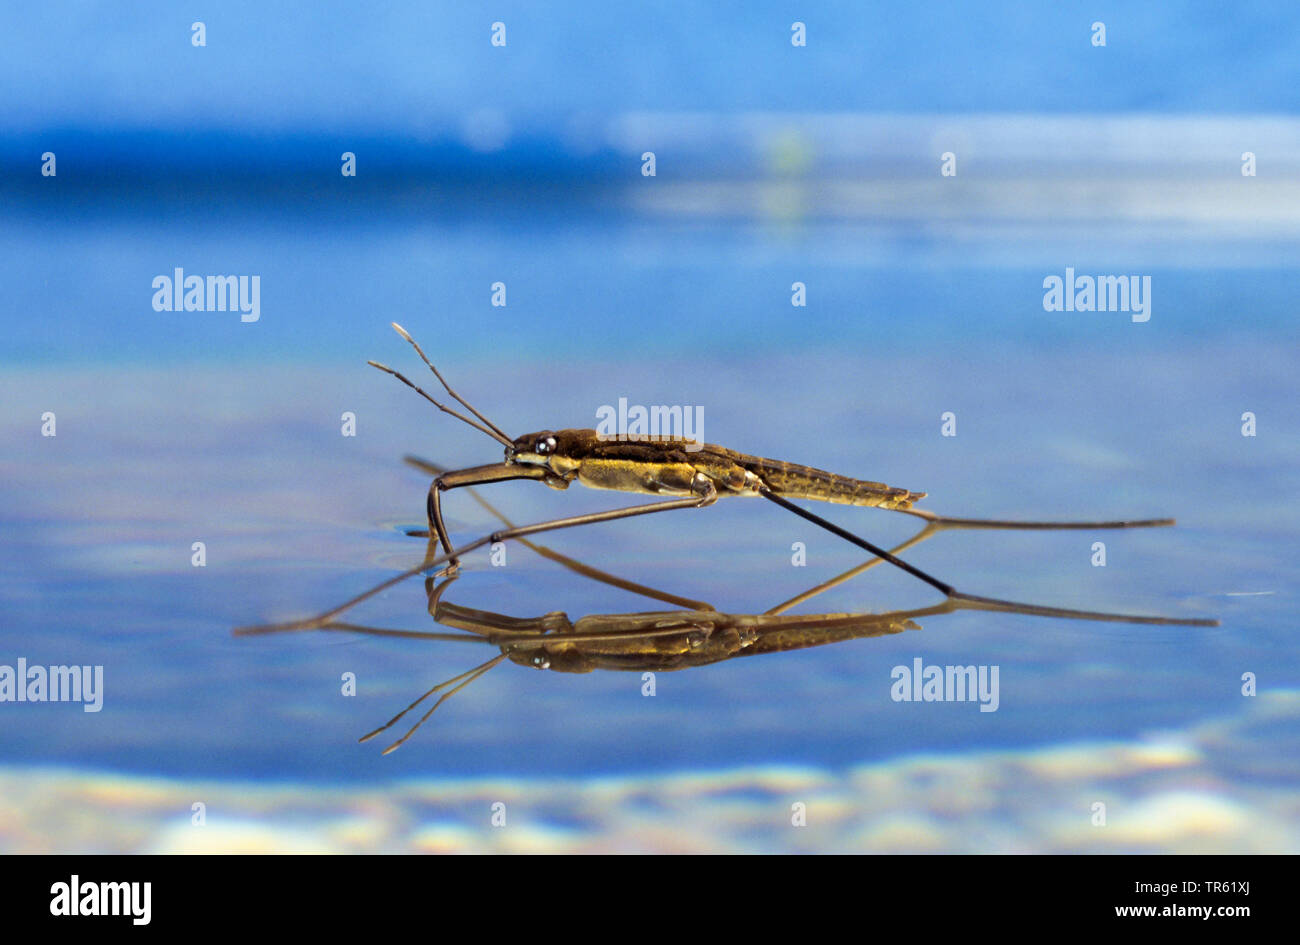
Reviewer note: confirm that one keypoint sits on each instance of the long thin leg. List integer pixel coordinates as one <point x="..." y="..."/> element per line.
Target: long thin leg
<point x="935" y="523"/>
<point x="562" y="560"/>
<point x="320" y="620"/>
<point x="972" y="601"/>
<point x="946" y="589"/>
<point x="473" y="476"/>
<point x="707" y="497"/>
<point x="468" y="676"/>
<point x="948" y="521"/>
<point x="339" y="625"/>
<point x="851" y="573"/>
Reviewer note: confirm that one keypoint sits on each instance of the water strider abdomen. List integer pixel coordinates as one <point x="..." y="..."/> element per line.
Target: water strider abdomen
<point x="795" y="481"/>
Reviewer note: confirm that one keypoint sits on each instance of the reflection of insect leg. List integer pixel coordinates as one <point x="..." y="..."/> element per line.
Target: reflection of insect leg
<point x="975" y="601"/>
<point x="937" y="523"/>
<point x="707" y="496"/>
<point x="511" y="633"/>
<point x="468" y="676"/>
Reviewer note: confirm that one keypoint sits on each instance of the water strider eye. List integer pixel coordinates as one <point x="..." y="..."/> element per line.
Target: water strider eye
<point x="545" y="445"/>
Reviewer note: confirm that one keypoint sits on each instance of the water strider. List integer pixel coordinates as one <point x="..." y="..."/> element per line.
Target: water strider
<point x="697" y="634"/>
<point x="698" y="476"/>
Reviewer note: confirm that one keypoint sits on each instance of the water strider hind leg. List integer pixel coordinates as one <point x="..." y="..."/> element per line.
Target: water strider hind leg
<point x="935" y="523"/>
<point x="949" y="521"/>
<point x="974" y="601"/>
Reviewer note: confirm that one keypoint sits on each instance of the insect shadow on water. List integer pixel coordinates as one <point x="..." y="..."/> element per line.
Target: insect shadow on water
<point x="698" y="474"/>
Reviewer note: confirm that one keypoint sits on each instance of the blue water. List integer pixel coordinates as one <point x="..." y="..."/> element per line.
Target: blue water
<point x="1093" y="418"/>
<point x="176" y="427"/>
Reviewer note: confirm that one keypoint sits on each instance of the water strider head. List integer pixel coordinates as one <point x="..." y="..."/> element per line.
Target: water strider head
<point x="558" y="450"/>
<point x="558" y="656"/>
<point x="534" y="449"/>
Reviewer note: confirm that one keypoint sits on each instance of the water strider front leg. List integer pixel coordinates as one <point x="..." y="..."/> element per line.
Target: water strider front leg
<point x="572" y="564"/>
<point x="473" y="476"/>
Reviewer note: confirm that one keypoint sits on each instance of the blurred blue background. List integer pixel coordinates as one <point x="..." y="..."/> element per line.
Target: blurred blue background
<point x="775" y="164"/>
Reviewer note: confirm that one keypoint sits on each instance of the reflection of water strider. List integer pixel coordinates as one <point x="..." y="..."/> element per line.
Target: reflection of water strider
<point x="658" y="641"/>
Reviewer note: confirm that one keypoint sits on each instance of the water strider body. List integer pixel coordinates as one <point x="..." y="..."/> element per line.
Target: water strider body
<point x="675" y="467"/>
